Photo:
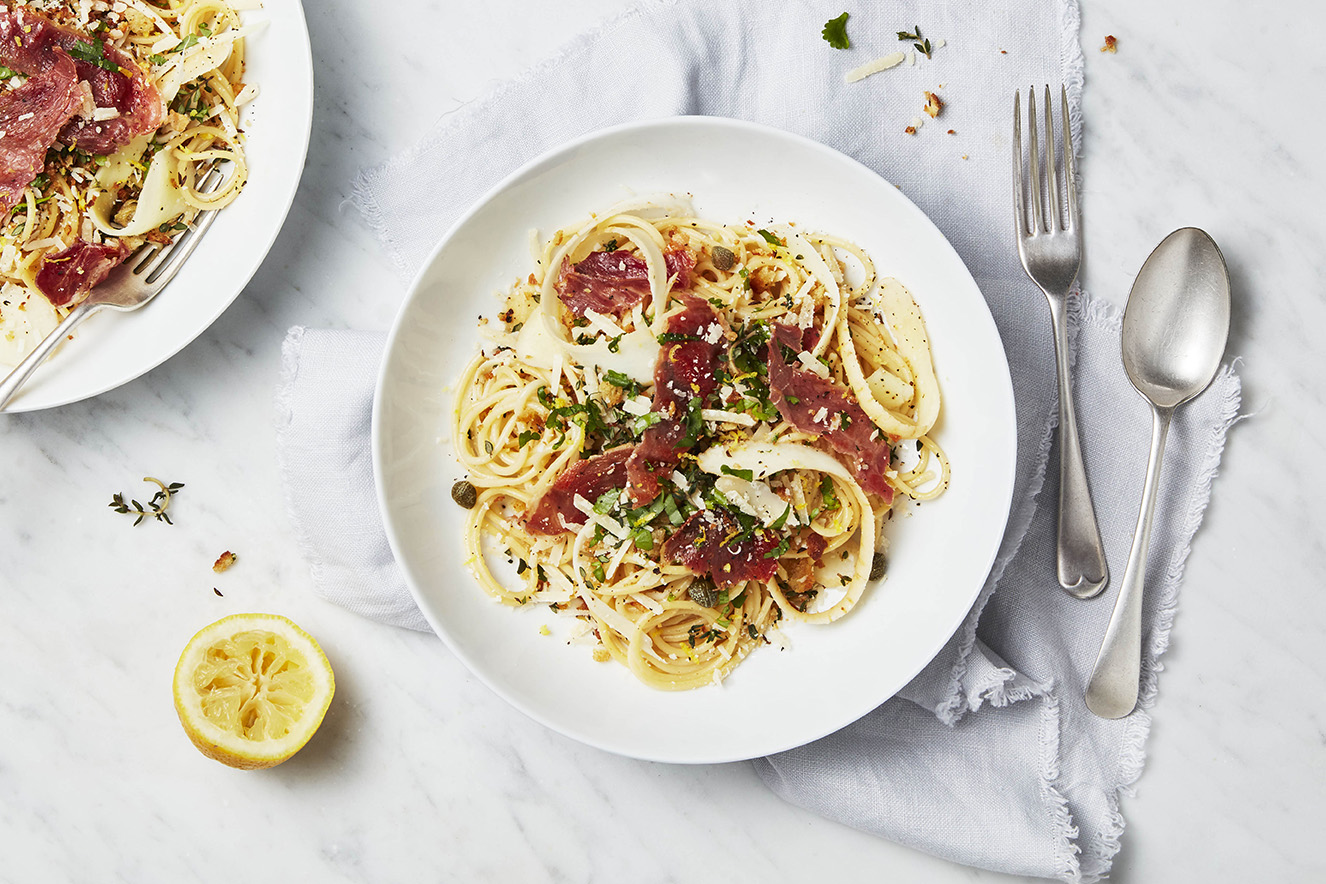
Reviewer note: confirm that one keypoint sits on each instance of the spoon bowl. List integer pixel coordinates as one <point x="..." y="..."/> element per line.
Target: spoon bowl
<point x="1177" y="319"/>
<point x="1175" y="328"/>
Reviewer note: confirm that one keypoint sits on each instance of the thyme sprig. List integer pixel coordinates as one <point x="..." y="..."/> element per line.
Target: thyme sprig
<point x="921" y="44"/>
<point x="156" y="507"/>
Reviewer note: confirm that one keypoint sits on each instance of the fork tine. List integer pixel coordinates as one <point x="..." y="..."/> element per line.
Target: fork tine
<point x="181" y="249"/>
<point x="1035" y="147"/>
<point x="1070" y="180"/>
<point x="1019" y="210"/>
<point x="149" y="268"/>
<point x="1051" y="181"/>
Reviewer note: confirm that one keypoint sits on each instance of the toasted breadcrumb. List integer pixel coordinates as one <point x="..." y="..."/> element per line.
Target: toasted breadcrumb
<point x="933" y="105"/>
<point x="1111" y="44"/>
<point x="224" y="561"/>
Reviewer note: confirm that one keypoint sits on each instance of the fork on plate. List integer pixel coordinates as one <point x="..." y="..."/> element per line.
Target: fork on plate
<point x="137" y="280"/>
<point x="1050" y="245"/>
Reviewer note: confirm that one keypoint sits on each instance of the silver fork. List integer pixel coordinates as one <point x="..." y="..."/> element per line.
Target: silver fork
<point x="1050" y="246"/>
<point x="137" y="280"/>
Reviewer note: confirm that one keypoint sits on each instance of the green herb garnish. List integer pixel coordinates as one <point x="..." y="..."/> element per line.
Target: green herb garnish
<point x="93" y="53"/>
<point x="156" y="507"/>
<point x="921" y="44"/>
<point x="835" y="32"/>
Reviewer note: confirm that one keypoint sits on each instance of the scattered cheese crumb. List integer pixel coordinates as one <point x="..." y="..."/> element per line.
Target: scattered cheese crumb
<point x="1111" y="44"/>
<point x="883" y="63"/>
<point x="544" y="630"/>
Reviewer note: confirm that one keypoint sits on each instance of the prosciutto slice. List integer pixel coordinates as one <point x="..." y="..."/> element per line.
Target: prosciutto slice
<point x="710" y="543"/>
<point x="590" y="478"/>
<point x="685" y="371"/>
<point x="31" y="43"/>
<point x="66" y="276"/>
<point x="30" y="118"/>
<point x="611" y="283"/>
<point x="819" y="406"/>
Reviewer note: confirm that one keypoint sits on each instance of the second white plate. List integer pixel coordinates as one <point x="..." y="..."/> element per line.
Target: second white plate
<point x="113" y="349"/>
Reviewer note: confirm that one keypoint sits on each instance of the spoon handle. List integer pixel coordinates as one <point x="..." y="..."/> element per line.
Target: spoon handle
<point x="1112" y="690"/>
<point x="1081" y="565"/>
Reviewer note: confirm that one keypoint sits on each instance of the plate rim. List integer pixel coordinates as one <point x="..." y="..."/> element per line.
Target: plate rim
<point x="550" y="156"/>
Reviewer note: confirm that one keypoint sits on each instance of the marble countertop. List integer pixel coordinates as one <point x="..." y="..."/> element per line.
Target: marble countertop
<point x="1204" y="117"/>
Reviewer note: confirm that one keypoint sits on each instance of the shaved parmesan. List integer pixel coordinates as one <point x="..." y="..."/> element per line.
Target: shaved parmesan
<point x="160" y="201"/>
<point x="883" y="63"/>
<point x="717" y="415"/>
<point x="24" y="323"/>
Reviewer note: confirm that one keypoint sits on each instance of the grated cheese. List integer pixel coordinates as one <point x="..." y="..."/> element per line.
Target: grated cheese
<point x="883" y="63"/>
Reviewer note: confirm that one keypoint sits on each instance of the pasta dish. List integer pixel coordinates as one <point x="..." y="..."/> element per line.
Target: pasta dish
<point x="111" y="114"/>
<point x="684" y="434"/>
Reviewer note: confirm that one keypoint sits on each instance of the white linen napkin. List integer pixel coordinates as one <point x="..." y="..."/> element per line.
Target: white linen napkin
<point x="989" y="757"/>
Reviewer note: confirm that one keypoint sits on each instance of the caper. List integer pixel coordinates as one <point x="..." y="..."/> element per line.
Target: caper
<point x="464" y="494"/>
<point x="878" y="566"/>
<point x="702" y="592"/>
<point x="724" y="259"/>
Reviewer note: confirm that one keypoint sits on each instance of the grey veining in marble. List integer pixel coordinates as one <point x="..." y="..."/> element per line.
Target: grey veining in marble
<point x="1208" y="115"/>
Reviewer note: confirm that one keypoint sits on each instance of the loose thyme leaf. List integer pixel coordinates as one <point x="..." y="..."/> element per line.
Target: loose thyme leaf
<point x="835" y="32"/>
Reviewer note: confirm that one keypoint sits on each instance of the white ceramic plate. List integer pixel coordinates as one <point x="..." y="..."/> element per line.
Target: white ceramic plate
<point x="111" y="348"/>
<point x="832" y="674"/>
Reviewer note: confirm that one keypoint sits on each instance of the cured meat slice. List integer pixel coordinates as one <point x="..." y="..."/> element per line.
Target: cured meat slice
<point x="613" y="282"/>
<point x="710" y="542"/>
<point x="590" y="478"/>
<point x="30" y="118"/>
<point x="685" y="372"/>
<point x="68" y="275"/>
<point x="824" y="408"/>
<point x="30" y="43"/>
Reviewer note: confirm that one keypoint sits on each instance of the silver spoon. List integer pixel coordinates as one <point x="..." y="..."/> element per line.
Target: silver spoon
<point x="1174" y="333"/>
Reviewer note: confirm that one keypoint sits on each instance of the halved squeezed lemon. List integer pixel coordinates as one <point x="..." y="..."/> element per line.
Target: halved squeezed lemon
<point x="251" y="689"/>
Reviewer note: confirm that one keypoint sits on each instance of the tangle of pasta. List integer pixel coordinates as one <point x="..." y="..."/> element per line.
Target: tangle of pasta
<point x="769" y="509"/>
<point x="192" y="52"/>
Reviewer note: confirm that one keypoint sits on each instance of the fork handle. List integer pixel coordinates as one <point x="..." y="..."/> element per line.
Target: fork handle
<point x="19" y="376"/>
<point x="1081" y="565"/>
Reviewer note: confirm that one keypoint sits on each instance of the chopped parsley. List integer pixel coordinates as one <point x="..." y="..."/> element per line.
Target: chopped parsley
<point x="93" y="53"/>
<point x="770" y="238"/>
<point x="835" y="32"/>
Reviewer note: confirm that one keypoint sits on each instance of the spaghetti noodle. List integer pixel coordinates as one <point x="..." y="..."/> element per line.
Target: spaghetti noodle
<point x="687" y="433"/>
